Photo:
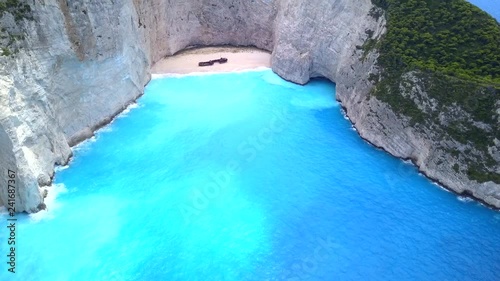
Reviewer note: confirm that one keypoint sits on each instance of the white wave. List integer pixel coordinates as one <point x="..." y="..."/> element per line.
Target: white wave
<point x="125" y="112"/>
<point x="83" y="146"/>
<point x="407" y="161"/>
<point x="61" y="168"/>
<point x="105" y="129"/>
<point x="91" y="139"/>
<point x="85" y="143"/>
<point x="464" y="199"/>
<point x="344" y="114"/>
<point x="50" y="202"/>
<point x="108" y="128"/>
<point x="178" y="75"/>
<point x="434" y="183"/>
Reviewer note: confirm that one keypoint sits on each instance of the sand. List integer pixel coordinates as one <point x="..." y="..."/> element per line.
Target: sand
<point x="186" y="62"/>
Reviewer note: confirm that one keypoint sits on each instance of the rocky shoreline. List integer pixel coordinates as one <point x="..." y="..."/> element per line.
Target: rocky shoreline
<point x="465" y="193"/>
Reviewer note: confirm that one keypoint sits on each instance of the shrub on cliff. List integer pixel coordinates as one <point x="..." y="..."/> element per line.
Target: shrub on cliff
<point x="453" y="48"/>
<point x="20" y="10"/>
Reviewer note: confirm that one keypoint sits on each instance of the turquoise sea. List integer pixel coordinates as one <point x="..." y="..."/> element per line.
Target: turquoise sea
<point x="245" y="176"/>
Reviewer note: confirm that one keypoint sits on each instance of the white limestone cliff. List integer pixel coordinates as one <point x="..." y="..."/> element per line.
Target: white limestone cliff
<point x="83" y="61"/>
<point x="77" y="67"/>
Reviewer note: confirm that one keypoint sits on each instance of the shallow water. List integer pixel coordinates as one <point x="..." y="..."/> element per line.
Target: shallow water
<point x="244" y="176"/>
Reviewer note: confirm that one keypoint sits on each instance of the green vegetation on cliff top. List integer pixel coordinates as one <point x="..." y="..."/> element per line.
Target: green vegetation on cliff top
<point x="453" y="49"/>
<point x="450" y="36"/>
<point x="20" y="10"/>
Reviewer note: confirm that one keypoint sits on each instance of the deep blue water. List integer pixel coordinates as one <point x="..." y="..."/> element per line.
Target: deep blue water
<point x="490" y="6"/>
<point x="244" y="176"/>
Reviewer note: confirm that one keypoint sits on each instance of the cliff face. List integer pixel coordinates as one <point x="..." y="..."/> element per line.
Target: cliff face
<point x="376" y="122"/>
<point x="171" y="26"/>
<point x="79" y="64"/>
<point x="82" y="61"/>
<point x="430" y="144"/>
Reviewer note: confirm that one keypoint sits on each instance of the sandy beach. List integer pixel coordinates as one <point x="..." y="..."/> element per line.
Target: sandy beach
<point x="239" y="58"/>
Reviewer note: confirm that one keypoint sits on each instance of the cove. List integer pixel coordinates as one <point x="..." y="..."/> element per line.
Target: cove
<point x="244" y="176"/>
